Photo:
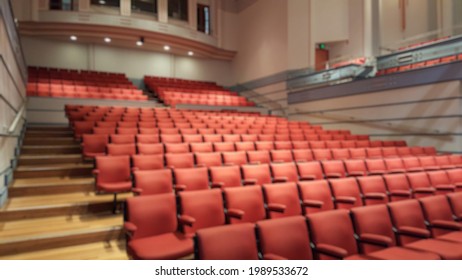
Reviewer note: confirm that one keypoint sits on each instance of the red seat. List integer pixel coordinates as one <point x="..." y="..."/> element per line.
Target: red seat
<point x="94" y="145"/>
<point x="104" y="130"/>
<point x="201" y="209"/>
<point x="244" y="146"/>
<point x="333" y="169"/>
<point x="234" y="158"/>
<point x="171" y="139"/>
<point x="256" y="174"/>
<point x="316" y="196"/>
<point x="322" y="154"/>
<point x="123" y="139"/>
<point x="420" y="184"/>
<point x="150" y="149"/>
<point x="409" y="222"/>
<point x="333" y="145"/>
<point x="177" y="148"/>
<point x="212" y="138"/>
<point x="282" y="200"/>
<point x="264" y="146"/>
<point x="404" y="151"/>
<point x="152" y="225"/>
<point x="373" y="189"/>
<point x="283" y="145"/>
<point x="149" y="182"/>
<point x="346" y="193"/>
<point x="259" y="157"/>
<point x="456" y="160"/>
<point x="428" y="163"/>
<point x="241" y="243"/>
<point x="127" y="130"/>
<point x="455" y="176"/>
<point x="340" y="154"/>
<point x="191" y="179"/>
<point x="284" y="239"/>
<point x="192" y="138"/>
<point x="223" y="147"/>
<point x="376" y="237"/>
<point x="208" y="159"/>
<point x="317" y="145"/>
<point x="376" y="166"/>
<point x="310" y="171"/>
<point x="148" y="162"/>
<point x="302" y="155"/>
<point x="455" y="199"/>
<point x="398" y="187"/>
<point x="441" y="182"/>
<point x="355" y="167"/>
<point x="147" y="138"/>
<point x="244" y="204"/>
<point x="179" y="160"/>
<point x="438" y="215"/>
<point x="358" y="153"/>
<point x="121" y="149"/>
<point x="206" y="147"/>
<point x="389" y="152"/>
<point x="333" y="236"/>
<point x="281" y="156"/>
<point x="444" y="162"/>
<point x="412" y="164"/>
<point x="232" y="138"/>
<point x="225" y="176"/>
<point x="82" y="127"/>
<point x="284" y="172"/>
<point x="300" y="145"/>
<point x="374" y="152"/>
<point x="395" y="165"/>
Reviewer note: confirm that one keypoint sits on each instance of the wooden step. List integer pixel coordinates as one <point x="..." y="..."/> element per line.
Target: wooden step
<point x="49" y="159"/>
<point x="50" y="186"/>
<point x="30" y="207"/>
<point x="47" y="233"/>
<point x="48" y="134"/>
<point x="35" y="140"/>
<point x="48" y="128"/>
<point x="50" y="149"/>
<point x="112" y="250"/>
<point x="53" y="170"/>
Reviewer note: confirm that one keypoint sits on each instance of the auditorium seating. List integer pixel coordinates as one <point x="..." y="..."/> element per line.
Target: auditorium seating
<point x="52" y="82"/>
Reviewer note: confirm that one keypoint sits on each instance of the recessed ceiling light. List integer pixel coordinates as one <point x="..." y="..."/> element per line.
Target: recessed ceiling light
<point x="139" y="43"/>
<point x="102" y="2"/>
<point x="107" y="40"/>
<point x="190" y="53"/>
<point x="74" y="38"/>
<point x="167" y="48"/>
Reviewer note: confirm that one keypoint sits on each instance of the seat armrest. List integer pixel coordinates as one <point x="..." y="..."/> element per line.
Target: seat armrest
<point x="248" y="182"/>
<point x="280" y="180"/>
<point x="277" y="207"/>
<point x="400" y="193"/>
<point x="381" y="240"/>
<point x="377" y="172"/>
<point x="312" y="203"/>
<point x="377" y="196"/>
<point x="393" y="171"/>
<point x="134" y="169"/>
<point x="95" y="172"/>
<point x="180" y="188"/>
<point x="308" y="178"/>
<point x="345" y="199"/>
<point x="254" y="162"/>
<point x="273" y="257"/>
<point x="171" y="166"/>
<point x="450" y="225"/>
<point x="186" y="220"/>
<point x="130" y="228"/>
<point x="278" y="161"/>
<point x="445" y="187"/>
<point x="333" y="175"/>
<point x="137" y="191"/>
<point x="413" y="231"/>
<point x="217" y="185"/>
<point x="200" y="165"/>
<point x="236" y="213"/>
<point x="356" y="174"/>
<point x="424" y="190"/>
<point x="332" y="250"/>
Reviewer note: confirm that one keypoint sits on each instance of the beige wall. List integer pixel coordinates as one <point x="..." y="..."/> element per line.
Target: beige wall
<point x="12" y="91"/>
<point x="135" y="64"/>
<point x="426" y="115"/>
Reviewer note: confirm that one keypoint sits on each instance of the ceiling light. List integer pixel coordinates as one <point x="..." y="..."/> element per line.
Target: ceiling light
<point x="107" y="40"/>
<point x="140" y="42"/>
<point x="190" y="53"/>
<point x="167" y="48"/>
<point x="74" y="38"/>
<point x="102" y="2"/>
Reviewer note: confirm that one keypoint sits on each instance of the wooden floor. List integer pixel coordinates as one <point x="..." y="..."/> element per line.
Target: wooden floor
<point x="52" y="211"/>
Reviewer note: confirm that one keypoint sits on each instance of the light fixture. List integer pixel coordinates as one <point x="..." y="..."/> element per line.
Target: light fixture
<point x="167" y="48"/>
<point x="73" y="38"/>
<point x="140" y="42"/>
<point x="190" y="53"/>
<point x="102" y="2"/>
<point x="107" y="40"/>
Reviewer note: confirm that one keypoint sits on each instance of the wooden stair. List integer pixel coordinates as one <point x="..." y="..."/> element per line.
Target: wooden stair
<point x="53" y="211"/>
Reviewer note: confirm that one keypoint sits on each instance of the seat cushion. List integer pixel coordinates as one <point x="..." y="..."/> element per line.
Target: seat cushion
<point x="452" y="237"/>
<point x="398" y="253"/>
<point x="358" y="257"/>
<point x="446" y="250"/>
<point x="169" y="246"/>
<point x="115" y="187"/>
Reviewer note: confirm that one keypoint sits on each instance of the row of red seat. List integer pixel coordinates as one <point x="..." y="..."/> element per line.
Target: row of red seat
<point x="203" y="214"/>
<point x="196" y="172"/>
<point x="428" y="63"/>
<point x="174" y="98"/>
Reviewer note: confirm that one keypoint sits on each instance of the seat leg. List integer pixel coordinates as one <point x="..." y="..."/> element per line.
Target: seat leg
<point x="114" y="204"/>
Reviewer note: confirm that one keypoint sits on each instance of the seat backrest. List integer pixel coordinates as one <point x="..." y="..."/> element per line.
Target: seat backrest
<point x="411" y="162"/>
<point x="419" y="181"/>
<point x="152" y="214"/>
<point x="285" y="238"/>
<point x="355" y="167"/>
<point x="123" y="138"/>
<point x="247" y="199"/>
<point x="302" y="155"/>
<point x="192" y="179"/>
<point x="333" y="228"/>
<point x="208" y="159"/>
<point x="179" y="160"/>
<point x="283" y="195"/>
<point x="358" y="153"/>
<point x="205" y="206"/>
<point x="223" y="147"/>
<point x="192" y="138"/>
<point x="376" y="165"/>
<point x="230" y="242"/>
<point x="147" y="138"/>
<point x="244" y="146"/>
<point x="212" y="138"/>
<point x="398" y="186"/>
<point x="455" y="199"/>
<point x="148" y="162"/>
<point x="205" y="147"/>
<point x="427" y="161"/>
<point x="374" y="152"/>
<point x="113" y="169"/>
<point x="226" y="176"/>
<point x="439" y="178"/>
<point x="300" y="145"/>
<point x="150" y="149"/>
<point x="389" y="152"/>
<point x="171" y="138"/>
<point x="310" y="169"/>
<point x="394" y="165"/>
<point x="436" y="208"/>
<point x="455" y="175"/>
<point x="94" y="144"/>
<point x="281" y="156"/>
<point x="373" y="220"/>
<point x="235" y="158"/>
<point x="346" y="193"/>
<point x="333" y="168"/>
<point x="258" y="157"/>
<point x="407" y="213"/>
<point x="232" y="138"/>
<point x="316" y="196"/>
<point x="121" y="149"/>
<point x="373" y="189"/>
<point x="322" y="154"/>
<point x="259" y="172"/>
<point x="176" y="148"/>
<point x="283" y="145"/>
<point x="287" y="170"/>
<point x="154" y="181"/>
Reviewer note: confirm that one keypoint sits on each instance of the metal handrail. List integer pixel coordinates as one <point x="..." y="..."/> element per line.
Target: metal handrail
<point x="16" y="119"/>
